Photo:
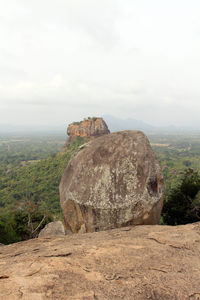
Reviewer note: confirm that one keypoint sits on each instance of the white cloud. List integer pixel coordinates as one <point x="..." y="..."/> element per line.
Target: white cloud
<point x="65" y="59"/>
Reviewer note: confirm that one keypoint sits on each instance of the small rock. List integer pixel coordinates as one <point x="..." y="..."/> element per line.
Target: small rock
<point x="52" y="229"/>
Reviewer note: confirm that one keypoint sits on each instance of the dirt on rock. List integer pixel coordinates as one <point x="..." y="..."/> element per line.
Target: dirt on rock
<point x="138" y="262"/>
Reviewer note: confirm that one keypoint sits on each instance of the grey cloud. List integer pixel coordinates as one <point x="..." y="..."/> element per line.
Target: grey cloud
<point x="80" y="57"/>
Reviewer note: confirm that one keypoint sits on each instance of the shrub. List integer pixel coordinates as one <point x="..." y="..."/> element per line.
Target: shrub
<point x="182" y="206"/>
<point x="20" y="225"/>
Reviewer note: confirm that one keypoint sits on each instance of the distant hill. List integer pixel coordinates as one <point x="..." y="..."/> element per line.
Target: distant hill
<point x="114" y="124"/>
<point x="117" y="124"/>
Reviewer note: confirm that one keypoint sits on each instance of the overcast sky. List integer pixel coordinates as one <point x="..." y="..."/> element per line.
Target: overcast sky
<point x="63" y="60"/>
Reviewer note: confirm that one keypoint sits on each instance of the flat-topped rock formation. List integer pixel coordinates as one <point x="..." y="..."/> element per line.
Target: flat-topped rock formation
<point x="88" y="129"/>
<point x="139" y="262"/>
<point x="113" y="181"/>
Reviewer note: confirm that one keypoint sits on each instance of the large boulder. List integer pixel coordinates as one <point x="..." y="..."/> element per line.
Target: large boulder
<point x="114" y="181"/>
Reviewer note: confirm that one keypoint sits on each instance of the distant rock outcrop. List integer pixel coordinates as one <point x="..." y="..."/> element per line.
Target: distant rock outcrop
<point x="138" y="262"/>
<point x="113" y="181"/>
<point x="88" y="129"/>
<point x="52" y="229"/>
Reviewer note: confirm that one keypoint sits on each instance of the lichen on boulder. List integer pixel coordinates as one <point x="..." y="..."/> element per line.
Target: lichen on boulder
<point x="114" y="181"/>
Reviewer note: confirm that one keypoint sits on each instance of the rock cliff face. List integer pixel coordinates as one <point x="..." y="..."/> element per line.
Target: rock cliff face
<point x="113" y="181"/>
<point x="139" y="262"/>
<point x="90" y="128"/>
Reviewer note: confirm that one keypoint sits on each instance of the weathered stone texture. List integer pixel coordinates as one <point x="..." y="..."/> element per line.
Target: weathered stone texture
<point x="90" y="128"/>
<point x="114" y="181"/>
<point x="135" y="262"/>
<point x="52" y="229"/>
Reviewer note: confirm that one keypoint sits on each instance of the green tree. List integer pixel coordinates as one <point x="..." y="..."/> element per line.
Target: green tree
<point x="187" y="163"/>
<point x="7" y="231"/>
<point x="20" y="225"/>
<point x="182" y="206"/>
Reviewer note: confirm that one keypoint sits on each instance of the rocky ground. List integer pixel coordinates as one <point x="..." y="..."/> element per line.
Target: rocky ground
<point x="140" y="262"/>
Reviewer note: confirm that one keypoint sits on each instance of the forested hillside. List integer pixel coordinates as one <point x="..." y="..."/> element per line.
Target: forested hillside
<point x="29" y="182"/>
<point x="176" y="152"/>
<point x="31" y="168"/>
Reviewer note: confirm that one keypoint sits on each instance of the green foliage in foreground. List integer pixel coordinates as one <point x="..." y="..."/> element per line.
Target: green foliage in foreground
<point x="182" y="205"/>
<point x="19" y="225"/>
<point x="29" y="195"/>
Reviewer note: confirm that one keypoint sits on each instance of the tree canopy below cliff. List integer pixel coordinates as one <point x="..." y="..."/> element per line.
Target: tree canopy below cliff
<point x="29" y="191"/>
<point x="31" y="168"/>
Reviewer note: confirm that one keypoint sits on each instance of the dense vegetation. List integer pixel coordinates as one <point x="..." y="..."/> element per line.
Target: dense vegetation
<point x="31" y="168"/>
<point x="176" y="152"/>
<point x="179" y="156"/>
<point x="29" y="196"/>
<point x="182" y="205"/>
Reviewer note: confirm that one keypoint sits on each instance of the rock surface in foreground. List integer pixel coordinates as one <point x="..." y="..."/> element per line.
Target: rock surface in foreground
<point x="113" y="181"/>
<point x="140" y="262"/>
